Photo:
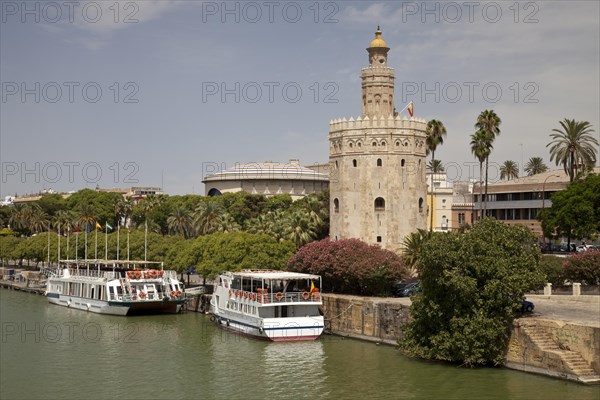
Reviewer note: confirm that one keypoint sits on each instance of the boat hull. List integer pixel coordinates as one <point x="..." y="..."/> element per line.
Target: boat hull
<point x="123" y="308"/>
<point x="276" y="329"/>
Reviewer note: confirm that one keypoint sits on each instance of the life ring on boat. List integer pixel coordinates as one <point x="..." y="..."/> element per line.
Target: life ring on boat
<point x="279" y="296"/>
<point x="237" y="293"/>
<point x="305" y="295"/>
<point x="178" y="293"/>
<point x="173" y="293"/>
<point x="142" y="295"/>
<point x="245" y="295"/>
<point x="138" y="274"/>
<point x="230" y="292"/>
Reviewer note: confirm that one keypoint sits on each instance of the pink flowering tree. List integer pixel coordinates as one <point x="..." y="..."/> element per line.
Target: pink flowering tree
<point x="583" y="267"/>
<point x="349" y="266"/>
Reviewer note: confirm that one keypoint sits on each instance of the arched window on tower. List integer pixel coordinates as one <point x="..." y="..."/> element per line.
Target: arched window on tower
<point x="379" y="204"/>
<point x="379" y="162"/>
<point x="354" y="163"/>
<point x="420" y="204"/>
<point x="402" y="163"/>
<point x="336" y="206"/>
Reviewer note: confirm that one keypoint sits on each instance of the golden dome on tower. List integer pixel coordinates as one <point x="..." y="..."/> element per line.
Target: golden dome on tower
<point x="378" y="41"/>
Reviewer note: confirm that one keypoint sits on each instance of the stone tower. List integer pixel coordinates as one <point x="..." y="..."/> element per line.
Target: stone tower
<point x="377" y="185"/>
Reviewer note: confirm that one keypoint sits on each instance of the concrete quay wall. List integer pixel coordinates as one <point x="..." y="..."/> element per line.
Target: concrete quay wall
<point x="545" y="346"/>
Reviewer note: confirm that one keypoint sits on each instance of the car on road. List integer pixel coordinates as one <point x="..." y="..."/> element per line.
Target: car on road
<point x="527" y="306"/>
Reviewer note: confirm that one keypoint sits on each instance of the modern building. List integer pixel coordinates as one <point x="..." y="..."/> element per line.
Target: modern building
<point x="518" y="201"/>
<point x="439" y="201"/>
<point x="377" y="163"/>
<point x="268" y="178"/>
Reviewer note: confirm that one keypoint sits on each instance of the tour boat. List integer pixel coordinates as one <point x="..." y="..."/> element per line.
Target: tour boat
<point x="273" y="305"/>
<point x="115" y="287"/>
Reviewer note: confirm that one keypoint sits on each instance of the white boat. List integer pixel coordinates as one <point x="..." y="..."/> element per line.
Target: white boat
<point x="115" y="287"/>
<point x="273" y="305"/>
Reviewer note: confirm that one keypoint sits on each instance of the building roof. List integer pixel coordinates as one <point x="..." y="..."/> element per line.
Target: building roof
<point x="378" y="41"/>
<point x="268" y="170"/>
<point x="557" y="177"/>
<point x="273" y="274"/>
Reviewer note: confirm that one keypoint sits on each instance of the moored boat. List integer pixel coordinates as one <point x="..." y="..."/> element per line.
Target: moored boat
<point x="115" y="287"/>
<point x="273" y="305"/>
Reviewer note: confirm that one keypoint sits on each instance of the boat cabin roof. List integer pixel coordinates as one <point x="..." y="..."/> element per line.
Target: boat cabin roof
<point x="109" y="262"/>
<point x="273" y="274"/>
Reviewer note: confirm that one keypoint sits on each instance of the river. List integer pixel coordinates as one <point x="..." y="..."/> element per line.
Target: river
<point x="52" y="352"/>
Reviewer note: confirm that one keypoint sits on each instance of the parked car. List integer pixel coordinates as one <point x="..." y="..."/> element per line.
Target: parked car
<point x="527" y="306"/>
<point x="398" y="288"/>
<point x="410" y="289"/>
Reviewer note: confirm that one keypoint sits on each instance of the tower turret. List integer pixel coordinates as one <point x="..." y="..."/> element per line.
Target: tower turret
<point x="377" y="81"/>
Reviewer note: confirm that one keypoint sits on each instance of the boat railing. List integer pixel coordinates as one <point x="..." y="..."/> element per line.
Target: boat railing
<point x="137" y="297"/>
<point x="87" y="274"/>
<point x="264" y="296"/>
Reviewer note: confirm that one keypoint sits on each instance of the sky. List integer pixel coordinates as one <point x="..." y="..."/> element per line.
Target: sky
<point x="160" y="93"/>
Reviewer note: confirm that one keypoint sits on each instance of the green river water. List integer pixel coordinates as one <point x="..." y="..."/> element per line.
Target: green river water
<point x="52" y="352"/>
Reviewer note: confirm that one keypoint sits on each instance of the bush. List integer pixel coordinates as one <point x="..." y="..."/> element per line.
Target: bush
<point x="583" y="267"/>
<point x="472" y="288"/>
<point x="552" y="267"/>
<point x="349" y="266"/>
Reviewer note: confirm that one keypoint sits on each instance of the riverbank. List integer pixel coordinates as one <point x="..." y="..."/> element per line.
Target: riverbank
<point x="560" y="339"/>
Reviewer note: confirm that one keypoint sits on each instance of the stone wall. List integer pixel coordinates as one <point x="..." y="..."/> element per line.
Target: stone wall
<point x="368" y="318"/>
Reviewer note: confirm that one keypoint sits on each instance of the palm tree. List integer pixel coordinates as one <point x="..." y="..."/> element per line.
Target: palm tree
<point x="488" y="122"/>
<point x="299" y="229"/>
<point x="228" y="223"/>
<point x="64" y="220"/>
<point x="148" y="203"/>
<point x="412" y="246"/>
<point x="207" y="217"/>
<point x="509" y="170"/>
<point x="18" y="217"/>
<point x="435" y="136"/>
<point x="87" y="216"/>
<point x="38" y="220"/>
<point x="180" y="222"/>
<point x="574" y="146"/>
<point x="481" y="147"/>
<point x="435" y="167"/>
<point x="260" y="225"/>
<point x="535" y="166"/>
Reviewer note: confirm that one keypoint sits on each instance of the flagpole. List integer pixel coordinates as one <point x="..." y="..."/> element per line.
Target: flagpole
<point x="106" y="241"/>
<point x="77" y="244"/>
<point x="405" y="107"/>
<point x="48" y="244"/>
<point x="127" y="244"/>
<point x="58" y="252"/>
<point x="118" y="234"/>
<point x="96" y="250"/>
<point x="68" y="236"/>
<point x="86" y="229"/>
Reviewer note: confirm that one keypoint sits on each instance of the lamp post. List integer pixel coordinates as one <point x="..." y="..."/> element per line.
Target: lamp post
<point x="544" y="199"/>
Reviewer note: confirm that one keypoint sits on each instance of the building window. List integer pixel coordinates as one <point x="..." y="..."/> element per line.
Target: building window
<point x="350" y="144"/>
<point x="402" y="163"/>
<point x="420" y="204"/>
<point x="379" y="204"/>
<point x="336" y="206"/>
<point x="374" y="144"/>
<point x="379" y="162"/>
<point x="354" y="163"/>
<point x="461" y="219"/>
<point x="378" y="239"/>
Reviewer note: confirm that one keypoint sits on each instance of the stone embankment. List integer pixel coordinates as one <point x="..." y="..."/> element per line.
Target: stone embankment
<point x="561" y="339"/>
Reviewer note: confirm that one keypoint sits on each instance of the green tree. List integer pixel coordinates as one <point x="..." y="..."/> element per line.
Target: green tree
<point x="472" y="287"/>
<point x="207" y="217"/>
<point x="52" y="203"/>
<point x="300" y="230"/>
<point x="489" y="122"/>
<point x="412" y="246"/>
<point x="575" y="212"/>
<point x="535" y="166"/>
<point x="101" y="202"/>
<point x="509" y="170"/>
<point x="481" y="145"/>
<point x="180" y="222"/>
<point x="435" y="167"/>
<point x="574" y="146"/>
<point x="436" y="131"/>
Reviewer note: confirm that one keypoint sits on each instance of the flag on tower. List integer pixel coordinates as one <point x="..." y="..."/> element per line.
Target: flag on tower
<point x="410" y="108"/>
